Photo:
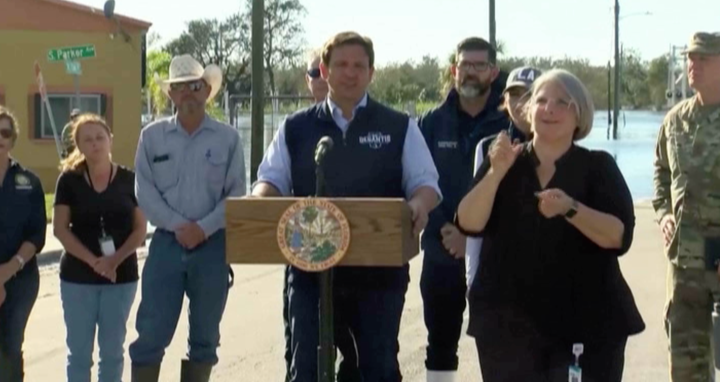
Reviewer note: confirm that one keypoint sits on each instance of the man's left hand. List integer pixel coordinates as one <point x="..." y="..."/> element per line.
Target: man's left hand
<point x="419" y="216"/>
<point x="453" y="240"/>
<point x="190" y="235"/>
<point x="554" y="202"/>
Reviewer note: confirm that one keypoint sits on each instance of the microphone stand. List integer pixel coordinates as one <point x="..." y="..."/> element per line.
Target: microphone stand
<point x="326" y="345"/>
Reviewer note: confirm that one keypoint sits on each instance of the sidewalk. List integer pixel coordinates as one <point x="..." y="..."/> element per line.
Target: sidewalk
<point x="53" y="248"/>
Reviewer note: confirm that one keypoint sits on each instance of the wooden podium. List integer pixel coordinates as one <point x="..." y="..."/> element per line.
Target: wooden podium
<point x="372" y="232"/>
<point x="380" y="229"/>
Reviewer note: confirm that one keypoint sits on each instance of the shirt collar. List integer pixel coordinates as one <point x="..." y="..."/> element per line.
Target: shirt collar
<point x="337" y="112"/>
<point x="207" y="122"/>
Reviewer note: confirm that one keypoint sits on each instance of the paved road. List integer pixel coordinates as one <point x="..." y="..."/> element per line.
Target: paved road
<point x="252" y="342"/>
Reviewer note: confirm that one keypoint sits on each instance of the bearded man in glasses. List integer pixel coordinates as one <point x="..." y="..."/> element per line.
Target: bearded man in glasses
<point x="452" y="132"/>
<point x="186" y="166"/>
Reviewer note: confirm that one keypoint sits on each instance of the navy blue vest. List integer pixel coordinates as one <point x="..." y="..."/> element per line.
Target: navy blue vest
<point x="452" y="146"/>
<point x="366" y="161"/>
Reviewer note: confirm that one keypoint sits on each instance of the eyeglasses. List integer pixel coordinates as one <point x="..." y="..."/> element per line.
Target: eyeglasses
<point x="476" y="66"/>
<point x="313" y="73"/>
<point x="6" y="133"/>
<point x="193" y="86"/>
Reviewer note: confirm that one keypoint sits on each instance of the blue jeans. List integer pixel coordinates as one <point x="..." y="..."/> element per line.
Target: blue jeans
<point x="85" y="307"/>
<point x="373" y="318"/>
<point x="170" y="272"/>
<point x="21" y="293"/>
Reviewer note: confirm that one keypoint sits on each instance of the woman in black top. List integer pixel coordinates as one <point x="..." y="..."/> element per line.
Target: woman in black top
<point x="554" y="218"/>
<point x="97" y="220"/>
<point x="22" y="234"/>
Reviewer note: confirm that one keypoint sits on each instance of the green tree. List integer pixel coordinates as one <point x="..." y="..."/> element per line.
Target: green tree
<point x="158" y="65"/>
<point x="634" y="80"/>
<point x="284" y="43"/>
<point x="310" y="214"/>
<point x="212" y="41"/>
<point x="657" y="79"/>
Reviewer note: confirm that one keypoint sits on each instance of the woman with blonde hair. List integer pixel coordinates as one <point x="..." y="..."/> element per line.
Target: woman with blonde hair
<point x="23" y="223"/>
<point x="549" y="301"/>
<point x="98" y="222"/>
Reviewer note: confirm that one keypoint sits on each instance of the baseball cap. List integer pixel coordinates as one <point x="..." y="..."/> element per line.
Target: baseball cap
<point x="523" y="76"/>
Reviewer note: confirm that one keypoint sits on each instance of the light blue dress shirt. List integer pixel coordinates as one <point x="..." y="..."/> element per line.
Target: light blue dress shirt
<point x="183" y="177"/>
<point x="418" y="166"/>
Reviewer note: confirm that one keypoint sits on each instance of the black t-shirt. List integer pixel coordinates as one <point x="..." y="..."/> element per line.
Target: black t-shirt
<point x="547" y="268"/>
<point x="115" y="206"/>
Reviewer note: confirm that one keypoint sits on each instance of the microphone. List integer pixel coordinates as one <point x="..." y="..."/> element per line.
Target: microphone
<point x="323" y="146"/>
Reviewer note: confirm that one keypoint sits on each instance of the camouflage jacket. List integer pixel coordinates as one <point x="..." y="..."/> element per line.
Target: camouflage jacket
<point x="687" y="179"/>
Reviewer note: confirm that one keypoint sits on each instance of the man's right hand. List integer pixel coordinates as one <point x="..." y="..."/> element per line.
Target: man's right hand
<point x="667" y="227"/>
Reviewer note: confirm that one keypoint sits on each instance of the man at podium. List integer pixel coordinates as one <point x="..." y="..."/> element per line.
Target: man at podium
<point x="379" y="153"/>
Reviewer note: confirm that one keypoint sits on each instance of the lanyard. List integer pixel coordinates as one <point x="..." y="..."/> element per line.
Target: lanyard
<point x="87" y="171"/>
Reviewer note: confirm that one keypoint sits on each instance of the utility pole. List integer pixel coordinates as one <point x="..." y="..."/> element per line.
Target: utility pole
<point x="616" y="91"/>
<point x="493" y="40"/>
<point x="258" y="92"/>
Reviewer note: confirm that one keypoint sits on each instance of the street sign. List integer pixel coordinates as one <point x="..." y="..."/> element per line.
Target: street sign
<point x="71" y="53"/>
<point x="73" y="67"/>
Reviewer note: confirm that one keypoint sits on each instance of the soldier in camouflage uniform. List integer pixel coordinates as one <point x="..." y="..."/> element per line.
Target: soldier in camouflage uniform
<point x="687" y="203"/>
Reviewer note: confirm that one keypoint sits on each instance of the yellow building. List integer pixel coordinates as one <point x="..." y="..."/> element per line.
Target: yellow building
<point x="110" y="83"/>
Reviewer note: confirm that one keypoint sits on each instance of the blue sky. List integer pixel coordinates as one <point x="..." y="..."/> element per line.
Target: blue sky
<point x="409" y="29"/>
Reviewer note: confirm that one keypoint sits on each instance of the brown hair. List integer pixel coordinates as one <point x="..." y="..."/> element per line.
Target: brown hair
<point x="76" y="160"/>
<point x="348" y="38"/>
<point x="5" y="113"/>
<point x="476" y="44"/>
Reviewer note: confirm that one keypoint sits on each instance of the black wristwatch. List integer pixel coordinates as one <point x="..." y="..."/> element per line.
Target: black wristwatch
<point x="573" y="210"/>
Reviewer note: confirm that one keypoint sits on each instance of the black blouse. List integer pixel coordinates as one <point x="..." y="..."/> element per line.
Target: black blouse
<point x="546" y="268"/>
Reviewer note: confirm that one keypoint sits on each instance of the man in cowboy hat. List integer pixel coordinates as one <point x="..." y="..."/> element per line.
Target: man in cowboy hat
<point x="688" y="212"/>
<point x="186" y="165"/>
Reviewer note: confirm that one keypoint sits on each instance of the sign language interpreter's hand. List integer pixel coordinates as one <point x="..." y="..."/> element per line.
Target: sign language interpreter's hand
<point x="503" y="153"/>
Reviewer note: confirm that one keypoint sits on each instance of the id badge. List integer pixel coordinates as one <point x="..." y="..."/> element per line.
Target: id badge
<point x="107" y="246"/>
<point x="574" y="374"/>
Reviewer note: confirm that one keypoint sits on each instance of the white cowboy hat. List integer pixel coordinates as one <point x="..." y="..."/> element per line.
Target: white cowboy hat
<point x="185" y="68"/>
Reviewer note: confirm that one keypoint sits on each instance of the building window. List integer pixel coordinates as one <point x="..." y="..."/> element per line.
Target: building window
<point x="62" y="105"/>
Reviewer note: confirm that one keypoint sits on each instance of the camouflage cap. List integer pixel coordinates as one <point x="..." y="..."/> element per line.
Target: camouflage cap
<point x="704" y="43"/>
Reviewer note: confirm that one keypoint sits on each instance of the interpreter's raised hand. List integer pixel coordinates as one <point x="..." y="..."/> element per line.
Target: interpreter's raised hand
<point x="190" y="235"/>
<point x="453" y="240"/>
<point x="419" y="216"/>
<point x="554" y="202"/>
<point x="667" y="227"/>
<point x="503" y="153"/>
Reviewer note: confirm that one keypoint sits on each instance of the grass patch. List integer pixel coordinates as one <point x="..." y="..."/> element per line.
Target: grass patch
<point x="49" y="206"/>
